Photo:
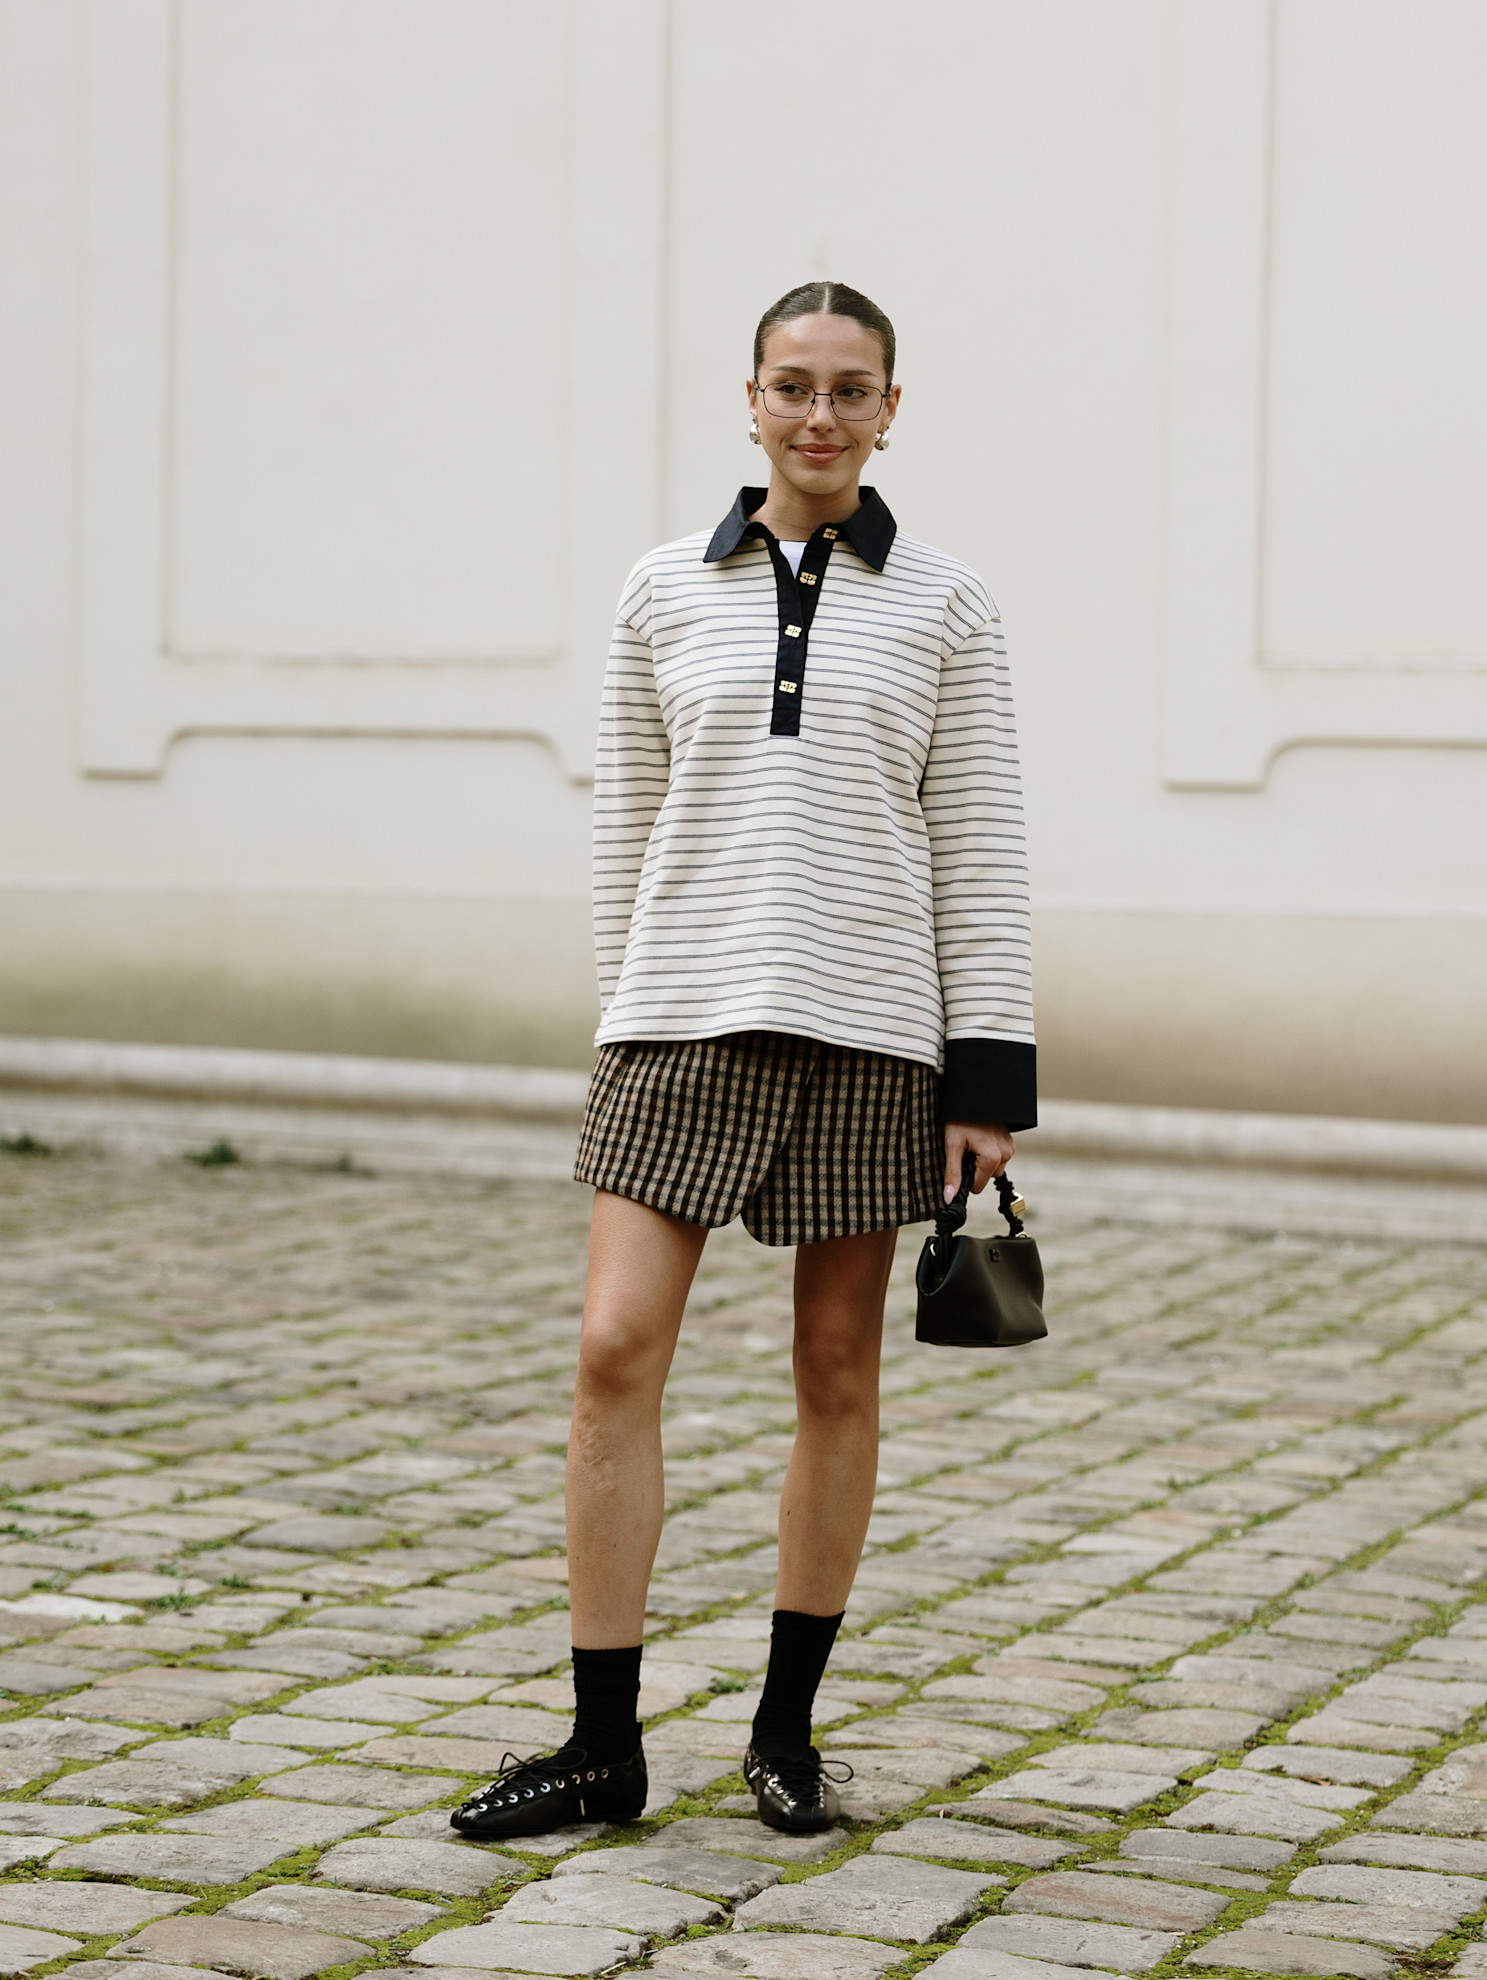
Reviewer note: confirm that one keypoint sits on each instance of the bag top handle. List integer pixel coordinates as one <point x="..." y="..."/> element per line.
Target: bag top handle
<point x="1009" y="1203"/>
<point x="949" y="1219"/>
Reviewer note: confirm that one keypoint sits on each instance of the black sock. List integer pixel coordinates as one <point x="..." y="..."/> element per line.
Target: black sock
<point x="607" y="1684"/>
<point x="798" y="1648"/>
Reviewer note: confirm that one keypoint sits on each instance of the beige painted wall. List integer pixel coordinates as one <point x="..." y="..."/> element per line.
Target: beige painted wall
<point x="1211" y="1010"/>
<point x="355" y="348"/>
<point x="410" y="976"/>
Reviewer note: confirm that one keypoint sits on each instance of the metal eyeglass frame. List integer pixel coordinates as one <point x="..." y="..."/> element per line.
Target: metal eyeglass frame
<point x="830" y="397"/>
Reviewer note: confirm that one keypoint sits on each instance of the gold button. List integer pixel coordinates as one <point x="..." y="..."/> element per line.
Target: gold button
<point x="792" y="632"/>
<point x="787" y="687"/>
<point x="808" y="577"/>
<point x="830" y="535"/>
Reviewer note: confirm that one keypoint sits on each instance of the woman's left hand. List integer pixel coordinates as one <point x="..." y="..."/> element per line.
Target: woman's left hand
<point x="993" y="1146"/>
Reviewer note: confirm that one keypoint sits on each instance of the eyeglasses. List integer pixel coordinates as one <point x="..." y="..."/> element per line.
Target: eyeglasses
<point x="791" y="400"/>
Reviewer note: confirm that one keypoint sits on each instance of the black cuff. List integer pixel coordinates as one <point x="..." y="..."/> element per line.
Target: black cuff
<point x="990" y="1079"/>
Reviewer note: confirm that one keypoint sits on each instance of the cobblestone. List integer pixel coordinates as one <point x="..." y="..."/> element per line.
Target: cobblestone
<point x="743" y="1836"/>
<point x="182" y="1859"/>
<point x="349" y="1912"/>
<point x="292" y="1824"/>
<point x="652" y="1911"/>
<point x="36" y="1818"/>
<point x="966" y="1842"/>
<point x="234" y="1945"/>
<point x="1257" y="1815"/>
<point x="1154" y="1906"/>
<point x="20" y="1949"/>
<point x="985" y="1963"/>
<point x="142" y="1969"/>
<point x="1187" y="1606"/>
<point x="582" y="1950"/>
<point x="890" y="1898"/>
<point x="1383" y="1924"/>
<point x="707" y="1872"/>
<point x="377" y="1863"/>
<point x="1411" y="1852"/>
<point x="91" y="1909"/>
<point x="1067" y="1942"/>
<point x="1461" y="1895"/>
<point x="1436" y="1814"/>
<point x="1162" y="1847"/>
<point x="373" y="1787"/>
<point x="1259" y="1949"/>
<point x="779" y="1956"/>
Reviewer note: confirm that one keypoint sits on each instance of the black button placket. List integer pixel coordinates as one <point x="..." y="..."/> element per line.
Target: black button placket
<point x="796" y="597"/>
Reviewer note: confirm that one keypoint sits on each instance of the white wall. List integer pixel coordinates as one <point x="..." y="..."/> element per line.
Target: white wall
<point x="354" y="348"/>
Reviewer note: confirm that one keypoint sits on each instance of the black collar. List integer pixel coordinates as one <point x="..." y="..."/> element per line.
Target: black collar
<point x="870" y="531"/>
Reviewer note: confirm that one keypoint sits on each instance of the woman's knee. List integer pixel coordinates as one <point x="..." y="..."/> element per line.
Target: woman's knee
<point x="837" y="1375"/>
<point x="619" y="1364"/>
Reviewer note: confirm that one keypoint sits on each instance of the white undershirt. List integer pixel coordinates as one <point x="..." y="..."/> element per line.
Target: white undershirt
<point x="793" y="554"/>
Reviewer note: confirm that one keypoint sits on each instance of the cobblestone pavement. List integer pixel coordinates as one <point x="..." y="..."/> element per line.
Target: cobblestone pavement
<point x="1169" y="1652"/>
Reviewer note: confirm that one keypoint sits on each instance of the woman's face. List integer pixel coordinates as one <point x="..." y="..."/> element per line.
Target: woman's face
<point x="813" y="446"/>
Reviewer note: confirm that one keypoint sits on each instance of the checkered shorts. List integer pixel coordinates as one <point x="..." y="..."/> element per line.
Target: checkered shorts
<point x="801" y="1139"/>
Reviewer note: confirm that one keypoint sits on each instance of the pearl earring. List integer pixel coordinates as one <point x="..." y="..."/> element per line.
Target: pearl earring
<point x="881" y="442"/>
<point x="754" y="433"/>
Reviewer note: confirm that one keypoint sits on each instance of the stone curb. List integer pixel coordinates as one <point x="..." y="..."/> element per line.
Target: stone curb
<point x="549" y="1094"/>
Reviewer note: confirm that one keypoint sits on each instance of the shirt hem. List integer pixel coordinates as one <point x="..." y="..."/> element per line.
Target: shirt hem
<point x="656" y="1031"/>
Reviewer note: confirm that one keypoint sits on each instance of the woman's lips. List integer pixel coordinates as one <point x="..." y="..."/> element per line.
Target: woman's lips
<point x="820" y="453"/>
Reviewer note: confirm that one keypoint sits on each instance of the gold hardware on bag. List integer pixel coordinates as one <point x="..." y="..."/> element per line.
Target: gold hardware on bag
<point x="1019" y="1206"/>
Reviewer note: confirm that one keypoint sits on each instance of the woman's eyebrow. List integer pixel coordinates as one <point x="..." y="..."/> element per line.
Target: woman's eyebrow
<point x="847" y="371"/>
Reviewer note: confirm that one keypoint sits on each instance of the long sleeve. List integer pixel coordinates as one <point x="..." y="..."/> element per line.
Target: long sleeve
<point x="971" y="797"/>
<point x="630" y="780"/>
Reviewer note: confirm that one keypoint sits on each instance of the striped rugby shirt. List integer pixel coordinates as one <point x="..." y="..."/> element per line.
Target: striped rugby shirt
<point x="808" y="814"/>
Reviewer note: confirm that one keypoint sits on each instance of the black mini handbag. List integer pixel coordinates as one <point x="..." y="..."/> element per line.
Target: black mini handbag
<point x="975" y="1291"/>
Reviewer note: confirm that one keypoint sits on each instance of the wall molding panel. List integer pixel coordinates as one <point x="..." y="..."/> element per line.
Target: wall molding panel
<point x="136" y="692"/>
<point x="1229" y="707"/>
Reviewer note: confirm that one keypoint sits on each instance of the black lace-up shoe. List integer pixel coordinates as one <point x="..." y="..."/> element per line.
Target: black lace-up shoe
<point x="795" y="1792"/>
<point x="529" y="1797"/>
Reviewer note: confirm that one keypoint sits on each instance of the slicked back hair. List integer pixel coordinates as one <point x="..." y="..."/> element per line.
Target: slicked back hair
<point x="827" y="299"/>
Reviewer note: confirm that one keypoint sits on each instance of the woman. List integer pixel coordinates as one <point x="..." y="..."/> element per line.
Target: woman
<point x="810" y="896"/>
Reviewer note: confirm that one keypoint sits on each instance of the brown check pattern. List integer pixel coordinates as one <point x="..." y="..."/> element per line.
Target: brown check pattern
<point x="801" y="1139"/>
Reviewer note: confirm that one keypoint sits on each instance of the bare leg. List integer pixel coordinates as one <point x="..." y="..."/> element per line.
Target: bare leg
<point x="640" y="1271"/>
<point x="840" y="1286"/>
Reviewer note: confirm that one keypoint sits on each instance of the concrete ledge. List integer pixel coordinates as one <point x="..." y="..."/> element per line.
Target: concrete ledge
<point x="1270" y="1141"/>
<point x="422" y="1120"/>
<point x="300" y="1079"/>
<point x="377" y="1141"/>
<point x="429" y="1088"/>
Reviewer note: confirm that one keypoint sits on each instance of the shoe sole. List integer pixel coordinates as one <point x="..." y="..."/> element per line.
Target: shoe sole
<point x="813" y="1828"/>
<point x="499" y="1832"/>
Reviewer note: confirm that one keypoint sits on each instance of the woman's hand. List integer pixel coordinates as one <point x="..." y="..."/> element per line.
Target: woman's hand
<point x="993" y="1146"/>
